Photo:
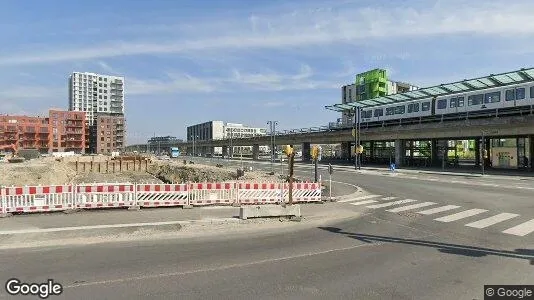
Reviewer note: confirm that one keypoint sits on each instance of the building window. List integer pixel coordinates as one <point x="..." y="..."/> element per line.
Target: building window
<point x="399" y="110"/>
<point x="390" y="111"/>
<point x="425" y="106"/>
<point x="532" y="92"/>
<point x="453" y="103"/>
<point x="442" y="104"/>
<point x="379" y="112"/>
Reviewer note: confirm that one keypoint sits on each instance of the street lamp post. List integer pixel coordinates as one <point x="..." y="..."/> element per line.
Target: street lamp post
<point x="357" y="114"/>
<point x="273" y="140"/>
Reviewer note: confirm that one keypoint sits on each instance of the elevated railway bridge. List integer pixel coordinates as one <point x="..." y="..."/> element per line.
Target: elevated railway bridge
<point x="422" y="127"/>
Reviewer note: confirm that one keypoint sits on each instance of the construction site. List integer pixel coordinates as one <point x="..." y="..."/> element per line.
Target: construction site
<point x="29" y="169"/>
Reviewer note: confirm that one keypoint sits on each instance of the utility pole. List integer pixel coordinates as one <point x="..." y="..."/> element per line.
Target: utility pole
<point x="272" y="130"/>
<point x="355" y="134"/>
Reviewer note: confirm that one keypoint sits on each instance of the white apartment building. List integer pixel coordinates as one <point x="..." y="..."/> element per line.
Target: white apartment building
<point x="96" y="93"/>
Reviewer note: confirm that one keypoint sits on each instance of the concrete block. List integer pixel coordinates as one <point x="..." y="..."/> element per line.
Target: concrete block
<point x="135" y="208"/>
<point x="6" y="215"/>
<point x="261" y="211"/>
<point x="187" y="206"/>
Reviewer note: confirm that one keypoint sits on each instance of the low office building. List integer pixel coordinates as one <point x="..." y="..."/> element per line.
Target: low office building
<point x="214" y="130"/>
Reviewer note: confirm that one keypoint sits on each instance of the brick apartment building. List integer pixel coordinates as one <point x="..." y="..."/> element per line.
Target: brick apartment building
<point x="59" y="132"/>
<point x="110" y="130"/>
<point x="67" y="131"/>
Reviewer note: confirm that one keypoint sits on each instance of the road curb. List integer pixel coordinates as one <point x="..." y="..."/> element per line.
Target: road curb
<point x="50" y="235"/>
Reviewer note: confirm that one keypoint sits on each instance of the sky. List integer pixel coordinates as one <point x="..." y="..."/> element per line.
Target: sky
<point x="186" y="62"/>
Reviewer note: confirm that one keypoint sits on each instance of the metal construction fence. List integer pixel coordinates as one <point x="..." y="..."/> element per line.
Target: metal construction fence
<point x="113" y="195"/>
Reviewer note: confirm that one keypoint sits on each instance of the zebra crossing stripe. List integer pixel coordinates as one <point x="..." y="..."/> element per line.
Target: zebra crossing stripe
<point x="521" y="229"/>
<point x="491" y="220"/>
<point x="461" y="215"/>
<point x="389" y="198"/>
<point x="360" y="198"/>
<point x="410" y="207"/>
<point x="391" y="203"/>
<point x="438" y="209"/>
<point x="363" y="202"/>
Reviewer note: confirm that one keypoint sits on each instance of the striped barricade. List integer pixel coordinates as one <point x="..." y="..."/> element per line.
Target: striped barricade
<point x="105" y="195"/>
<point x="303" y="192"/>
<point x="212" y="193"/>
<point x="37" y="198"/>
<point x="259" y="193"/>
<point x="155" y="195"/>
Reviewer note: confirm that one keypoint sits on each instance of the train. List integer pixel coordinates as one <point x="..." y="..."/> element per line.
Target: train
<point x="511" y="99"/>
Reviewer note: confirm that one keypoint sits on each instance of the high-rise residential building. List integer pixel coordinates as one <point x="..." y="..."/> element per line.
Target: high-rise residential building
<point x="97" y="95"/>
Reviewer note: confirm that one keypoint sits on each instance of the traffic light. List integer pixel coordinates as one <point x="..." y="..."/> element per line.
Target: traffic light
<point x="315" y="152"/>
<point x="288" y="150"/>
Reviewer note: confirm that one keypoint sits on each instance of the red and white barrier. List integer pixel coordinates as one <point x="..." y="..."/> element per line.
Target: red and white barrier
<point x="212" y="193"/>
<point x="108" y="195"/>
<point x="155" y="195"/>
<point x="259" y="193"/>
<point x="105" y="195"/>
<point x="303" y="192"/>
<point x="37" y="198"/>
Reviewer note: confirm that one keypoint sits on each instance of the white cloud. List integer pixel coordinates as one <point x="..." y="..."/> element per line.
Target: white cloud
<point x="37" y="93"/>
<point x="236" y="81"/>
<point x="315" y="27"/>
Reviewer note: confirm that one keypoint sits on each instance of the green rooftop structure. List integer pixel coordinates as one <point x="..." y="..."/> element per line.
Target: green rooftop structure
<point x="371" y="84"/>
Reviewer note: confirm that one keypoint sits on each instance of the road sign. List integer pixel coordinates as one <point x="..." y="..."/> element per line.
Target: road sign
<point x="330" y="169"/>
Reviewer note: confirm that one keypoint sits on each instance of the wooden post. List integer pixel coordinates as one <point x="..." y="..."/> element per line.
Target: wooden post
<point x="107" y="166"/>
<point x="99" y="167"/>
<point x="83" y="166"/>
<point x="92" y="166"/>
<point x="291" y="164"/>
<point x="76" y="166"/>
<point x="113" y="166"/>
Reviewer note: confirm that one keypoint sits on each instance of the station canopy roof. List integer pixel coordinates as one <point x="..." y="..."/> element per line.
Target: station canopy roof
<point x="467" y="85"/>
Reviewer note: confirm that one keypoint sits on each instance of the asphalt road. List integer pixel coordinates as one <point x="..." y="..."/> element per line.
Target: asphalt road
<point x="380" y="255"/>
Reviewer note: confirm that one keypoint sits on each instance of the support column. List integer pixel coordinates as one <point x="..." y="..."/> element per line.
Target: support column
<point x="306" y="155"/>
<point x="531" y="151"/>
<point x="345" y="151"/>
<point x="434" y="156"/>
<point x="477" y="152"/>
<point x="371" y="151"/>
<point x="400" y="153"/>
<point x="488" y="150"/>
<point x="225" y="150"/>
<point x="255" y="152"/>
<point x="231" y="151"/>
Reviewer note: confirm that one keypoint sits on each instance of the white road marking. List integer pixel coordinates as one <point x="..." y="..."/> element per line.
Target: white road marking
<point x="389" y="198"/>
<point x="359" y="198"/>
<point x="438" y="209"/>
<point x="410" y="207"/>
<point x="363" y="202"/>
<point x="521" y="229"/>
<point x="491" y="220"/>
<point x="391" y="203"/>
<point x="461" y="215"/>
